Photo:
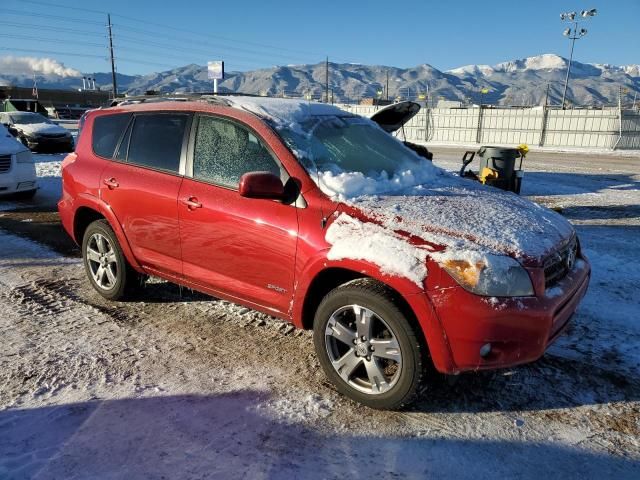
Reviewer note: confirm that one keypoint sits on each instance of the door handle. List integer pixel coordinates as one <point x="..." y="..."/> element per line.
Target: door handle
<point x="192" y="203"/>
<point x="111" y="183"/>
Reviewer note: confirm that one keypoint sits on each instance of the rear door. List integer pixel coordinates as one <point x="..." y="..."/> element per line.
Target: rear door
<point x="141" y="185"/>
<point x="244" y="248"/>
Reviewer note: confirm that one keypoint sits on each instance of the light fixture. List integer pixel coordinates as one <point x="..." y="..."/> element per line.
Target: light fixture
<point x="583" y="32"/>
<point x="566" y="32"/>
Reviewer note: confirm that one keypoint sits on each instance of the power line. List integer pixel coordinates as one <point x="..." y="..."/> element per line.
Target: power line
<point x="52" y="52"/>
<point x="181" y="30"/>
<point x="48" y="40"/>
<point x="72" y="31"/>
<point x="52" y="17"/>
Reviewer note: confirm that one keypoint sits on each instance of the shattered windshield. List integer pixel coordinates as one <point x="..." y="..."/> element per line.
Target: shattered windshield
<point x="349" y="144"/>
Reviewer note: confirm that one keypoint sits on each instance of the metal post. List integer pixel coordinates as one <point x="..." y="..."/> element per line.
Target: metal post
<point x="479" y="129"/>
<point x="619" y="119"/>
<point x="387" y="89"/>
<point x="113" y="64"/>
<point x="566" y="80"/>
<point x="215" y="85"/>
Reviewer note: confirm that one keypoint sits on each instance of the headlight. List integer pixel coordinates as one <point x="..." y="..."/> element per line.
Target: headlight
<point x="493" y="276"/>
<point x="24" y="157"/>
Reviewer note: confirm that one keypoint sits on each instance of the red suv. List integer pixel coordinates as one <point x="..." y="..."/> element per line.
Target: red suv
<point x="322" y="218"/>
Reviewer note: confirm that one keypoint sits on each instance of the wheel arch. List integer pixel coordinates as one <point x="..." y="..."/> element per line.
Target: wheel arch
<point x="91" y="210"/>
<point x="413" y="301"/>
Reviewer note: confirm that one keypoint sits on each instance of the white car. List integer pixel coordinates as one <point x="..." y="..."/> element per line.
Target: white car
<point x="17" y="170"/>
<point x="37" y="132"/>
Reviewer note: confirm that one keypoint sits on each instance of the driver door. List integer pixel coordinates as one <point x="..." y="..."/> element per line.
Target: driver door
<point x="240" y="247"/>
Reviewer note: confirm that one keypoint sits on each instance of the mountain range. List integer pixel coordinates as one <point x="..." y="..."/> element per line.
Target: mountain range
<point x="516" y="82"/>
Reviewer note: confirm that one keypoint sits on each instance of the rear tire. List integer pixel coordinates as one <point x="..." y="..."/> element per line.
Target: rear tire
<point x="105" y="264"/>
<point x="367" y="347"/>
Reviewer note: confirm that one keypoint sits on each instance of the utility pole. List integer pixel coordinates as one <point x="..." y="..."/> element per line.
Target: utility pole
<point x="387" y="89"/>
<point x="326" y="80"/>
<point x="113" y="64"/>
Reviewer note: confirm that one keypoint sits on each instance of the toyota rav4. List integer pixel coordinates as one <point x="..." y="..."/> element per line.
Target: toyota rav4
<point x="322" y="218"/>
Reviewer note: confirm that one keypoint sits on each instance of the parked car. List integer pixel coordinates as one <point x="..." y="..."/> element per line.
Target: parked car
<point x="37" y="132"/>
<point x="254" y="200"/>
<point x="17" y="171"/>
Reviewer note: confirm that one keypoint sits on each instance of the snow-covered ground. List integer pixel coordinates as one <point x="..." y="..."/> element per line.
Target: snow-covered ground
<point x="178" y="385"/>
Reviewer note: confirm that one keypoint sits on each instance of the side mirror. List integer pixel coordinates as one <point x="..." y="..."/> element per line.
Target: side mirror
<point x="261" y="185"/>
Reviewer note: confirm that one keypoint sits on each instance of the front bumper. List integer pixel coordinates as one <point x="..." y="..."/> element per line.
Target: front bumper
<point x="53" y="144"/>
<point x="21" y="177"/>
<point x="519" y="329"/>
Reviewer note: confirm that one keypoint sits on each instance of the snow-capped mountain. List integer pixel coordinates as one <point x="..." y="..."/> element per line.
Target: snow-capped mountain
<point x="521" y="81"/>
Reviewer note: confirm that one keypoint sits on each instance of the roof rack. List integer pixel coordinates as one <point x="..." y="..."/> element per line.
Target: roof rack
<point x="210" y="97"/>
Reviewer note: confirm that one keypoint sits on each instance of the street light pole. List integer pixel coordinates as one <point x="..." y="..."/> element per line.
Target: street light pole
<point x="566" y="79"/>
<point x="573" y="33"/>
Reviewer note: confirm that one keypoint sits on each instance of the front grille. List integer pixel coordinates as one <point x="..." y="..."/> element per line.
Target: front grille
<point x="560" y="263"/>
<point x="5" y="163"/>
<point x="53" y="135"/>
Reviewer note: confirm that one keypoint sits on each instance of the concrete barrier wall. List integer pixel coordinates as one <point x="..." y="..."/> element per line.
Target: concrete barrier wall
<point x="537" y="126"/>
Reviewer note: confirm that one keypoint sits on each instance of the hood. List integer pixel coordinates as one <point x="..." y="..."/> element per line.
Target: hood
<point x="8" y="144"/>
<point x="40" y="128"/>
<point x="393" y="117"/>
<point x="465" y="218"/>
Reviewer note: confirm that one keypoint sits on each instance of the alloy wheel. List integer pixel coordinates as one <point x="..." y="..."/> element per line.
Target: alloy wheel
<point x="363" y="349"/>
<point x="102" y="261"/>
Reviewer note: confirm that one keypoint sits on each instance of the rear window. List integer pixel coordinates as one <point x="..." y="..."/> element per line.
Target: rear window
<point x="107" y="130"/>
<point x="156" y="140"/>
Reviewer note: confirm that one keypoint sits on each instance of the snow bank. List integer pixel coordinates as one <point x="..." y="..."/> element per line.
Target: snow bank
<point x="351" y="238"/>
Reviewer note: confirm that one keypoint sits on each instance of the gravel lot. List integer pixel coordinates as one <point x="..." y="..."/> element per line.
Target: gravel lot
<point x="181" y="385"/>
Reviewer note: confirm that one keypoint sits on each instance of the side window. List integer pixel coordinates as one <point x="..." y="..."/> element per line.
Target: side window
<point x="107" y="130"/>
<point x="156" y="140"/>
<point x="224" y="151"/>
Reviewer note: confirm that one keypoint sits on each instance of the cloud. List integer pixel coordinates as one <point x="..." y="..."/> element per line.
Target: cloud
<point x="30" y="65"/>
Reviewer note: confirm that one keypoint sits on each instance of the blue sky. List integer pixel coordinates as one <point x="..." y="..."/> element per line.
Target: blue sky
<point x="154" y="36"/>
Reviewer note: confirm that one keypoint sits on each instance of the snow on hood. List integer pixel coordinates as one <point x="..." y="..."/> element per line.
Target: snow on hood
<point x="472" y="222"/>
<point x="40" y="128"/>
<point x="465" y="217"/>
<point x="8" y="144"/>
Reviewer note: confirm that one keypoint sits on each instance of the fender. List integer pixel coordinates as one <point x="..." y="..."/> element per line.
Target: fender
<point x="416" y="298"/>
<point x="100" y="206"/>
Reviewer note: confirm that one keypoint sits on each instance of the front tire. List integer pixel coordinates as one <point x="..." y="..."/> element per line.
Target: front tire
<point x="106" y="266"/>
<point x="367" y="347"/>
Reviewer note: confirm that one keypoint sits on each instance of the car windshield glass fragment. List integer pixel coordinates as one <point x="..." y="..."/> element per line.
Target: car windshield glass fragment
<point x="350" y="144"/>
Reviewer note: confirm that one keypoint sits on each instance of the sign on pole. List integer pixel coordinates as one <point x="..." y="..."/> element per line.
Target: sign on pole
<point x="215" y="72"/>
